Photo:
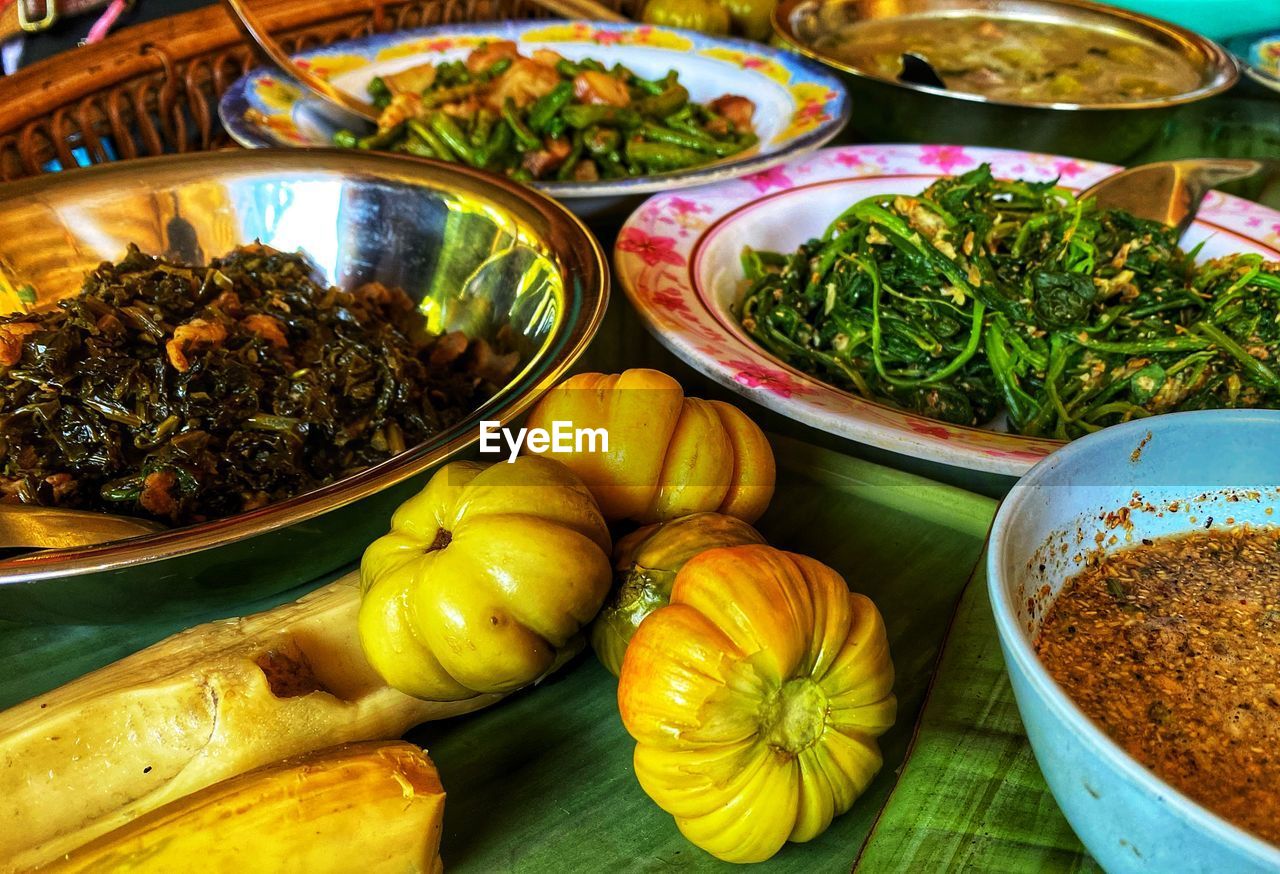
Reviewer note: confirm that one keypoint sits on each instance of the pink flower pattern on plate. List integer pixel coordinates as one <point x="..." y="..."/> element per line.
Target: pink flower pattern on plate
<point x="929" y="429"/>
<point x="652" y="249"/>
<point x="849" y="158"/>
<point x="671" y="301"/>
<point x="684" y="206"/>
<point x="1069" y="169"/>
<point x="774" y="177"/>
<point x="945" y="158"/>
<point x="770" y="379"/>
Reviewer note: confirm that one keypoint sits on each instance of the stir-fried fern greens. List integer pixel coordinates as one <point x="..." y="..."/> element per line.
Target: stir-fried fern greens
<point x="982" y="295"/>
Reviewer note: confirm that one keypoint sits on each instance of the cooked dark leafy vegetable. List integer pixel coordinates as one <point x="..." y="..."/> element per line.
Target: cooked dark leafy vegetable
<point x="188" y="393"/>
<point x="546" y="117"/>
<point x="980" y="295"/>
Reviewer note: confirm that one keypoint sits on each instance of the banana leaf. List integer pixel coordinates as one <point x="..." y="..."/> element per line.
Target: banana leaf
<point x="971" y="795"/>
<point x="543" y="782"/>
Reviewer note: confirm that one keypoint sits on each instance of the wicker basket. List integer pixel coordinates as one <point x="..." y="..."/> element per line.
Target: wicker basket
<point x="153" y="89"/>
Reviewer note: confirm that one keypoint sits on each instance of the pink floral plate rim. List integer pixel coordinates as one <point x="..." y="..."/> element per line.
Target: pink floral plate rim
<point x="657" y="253"/>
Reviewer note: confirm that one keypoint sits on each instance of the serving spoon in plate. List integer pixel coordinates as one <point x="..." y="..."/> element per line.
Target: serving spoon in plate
<point x="916" y="70"/>
<point x="1171" y="192"/>
<point x="344" y="108"/>
<point x="341" y="107"/>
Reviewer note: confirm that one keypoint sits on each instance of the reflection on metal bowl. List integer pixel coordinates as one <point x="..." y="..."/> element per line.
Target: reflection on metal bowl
<point x="477" y="253"/>
<point x="893" y="111"/>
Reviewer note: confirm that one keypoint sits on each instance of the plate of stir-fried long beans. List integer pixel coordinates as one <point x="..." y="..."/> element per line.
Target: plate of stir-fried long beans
<point x="577" y="109"/>
<point x="977" y="318"/>
<point x="541" y="117"/>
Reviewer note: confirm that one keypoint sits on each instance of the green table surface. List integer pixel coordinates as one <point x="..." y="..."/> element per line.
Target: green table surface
<point x="542" y="783"/>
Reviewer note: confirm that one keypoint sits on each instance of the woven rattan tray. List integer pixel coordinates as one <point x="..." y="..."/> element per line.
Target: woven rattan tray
<point x="153" y="89"/>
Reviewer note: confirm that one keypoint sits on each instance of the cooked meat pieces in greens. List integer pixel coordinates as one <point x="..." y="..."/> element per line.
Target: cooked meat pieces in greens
<point x="982" y="294"/>
<point x="187" y="393"/>
<point x="545" y="117"/>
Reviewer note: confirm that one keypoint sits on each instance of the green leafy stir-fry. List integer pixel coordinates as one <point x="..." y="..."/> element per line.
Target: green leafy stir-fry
<point x="185" y="393"/>
<point x="981" y="295"/>
<point x="545" y="117"/>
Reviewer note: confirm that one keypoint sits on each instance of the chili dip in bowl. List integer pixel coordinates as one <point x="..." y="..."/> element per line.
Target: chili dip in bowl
<point x="1135" y="581"/>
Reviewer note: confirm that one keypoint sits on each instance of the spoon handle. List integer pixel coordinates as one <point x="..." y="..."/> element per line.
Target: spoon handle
<point x="1207" y="176"/>
<point x="916" y="70"/>
<point x="258" y="34"/>
<point x="1171" y="191"/>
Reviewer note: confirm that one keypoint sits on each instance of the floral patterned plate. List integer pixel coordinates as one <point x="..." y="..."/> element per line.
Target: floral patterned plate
<point x="677" y="258"/>
<point x="1259" y="53"/>
<point x="800" y="104"/>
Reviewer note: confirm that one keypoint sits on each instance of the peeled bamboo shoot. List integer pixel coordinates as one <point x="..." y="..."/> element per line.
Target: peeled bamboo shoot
<point x="202" y="706"/>
<point x="375" y="807"/>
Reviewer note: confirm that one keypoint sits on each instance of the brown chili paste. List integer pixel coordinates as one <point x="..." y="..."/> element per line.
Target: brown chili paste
<point x="1174" y="648"/>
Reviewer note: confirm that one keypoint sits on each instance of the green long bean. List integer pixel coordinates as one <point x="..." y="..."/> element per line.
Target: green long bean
<point x="513" y="114"/>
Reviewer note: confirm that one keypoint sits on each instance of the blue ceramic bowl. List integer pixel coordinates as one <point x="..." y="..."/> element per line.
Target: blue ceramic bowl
<point x="1187" y="470"/>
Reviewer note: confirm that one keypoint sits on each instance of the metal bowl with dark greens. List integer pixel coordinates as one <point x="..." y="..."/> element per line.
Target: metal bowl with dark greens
<point x="281" y="343"/>
<point x="184" y="393"/>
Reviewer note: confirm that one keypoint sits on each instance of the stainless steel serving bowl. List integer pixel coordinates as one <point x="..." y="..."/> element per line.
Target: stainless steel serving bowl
<point x="885" y="109"/>
<point x="478" y="253"/>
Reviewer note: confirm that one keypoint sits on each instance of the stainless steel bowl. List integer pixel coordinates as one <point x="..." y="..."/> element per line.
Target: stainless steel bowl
<point x="885" y="109"/>
<point x="478" y="253"/>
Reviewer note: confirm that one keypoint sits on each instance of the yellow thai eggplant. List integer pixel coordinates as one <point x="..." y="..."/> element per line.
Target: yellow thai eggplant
<point x="377" y="808"/>
<point x="485" y="580"/>
<point x="755" y="698"/>
<point x="668" y="455"/>
<point x="204" y="705"/>
<point x="646" y="562"/>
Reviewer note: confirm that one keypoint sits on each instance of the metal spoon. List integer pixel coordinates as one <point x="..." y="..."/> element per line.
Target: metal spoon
<point x="356" y="113"/>
<point x="26" y="526"/>
<point x="1171" y="191"/>
<point x="916" y="70"/>
<point x="345" y="109"/>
